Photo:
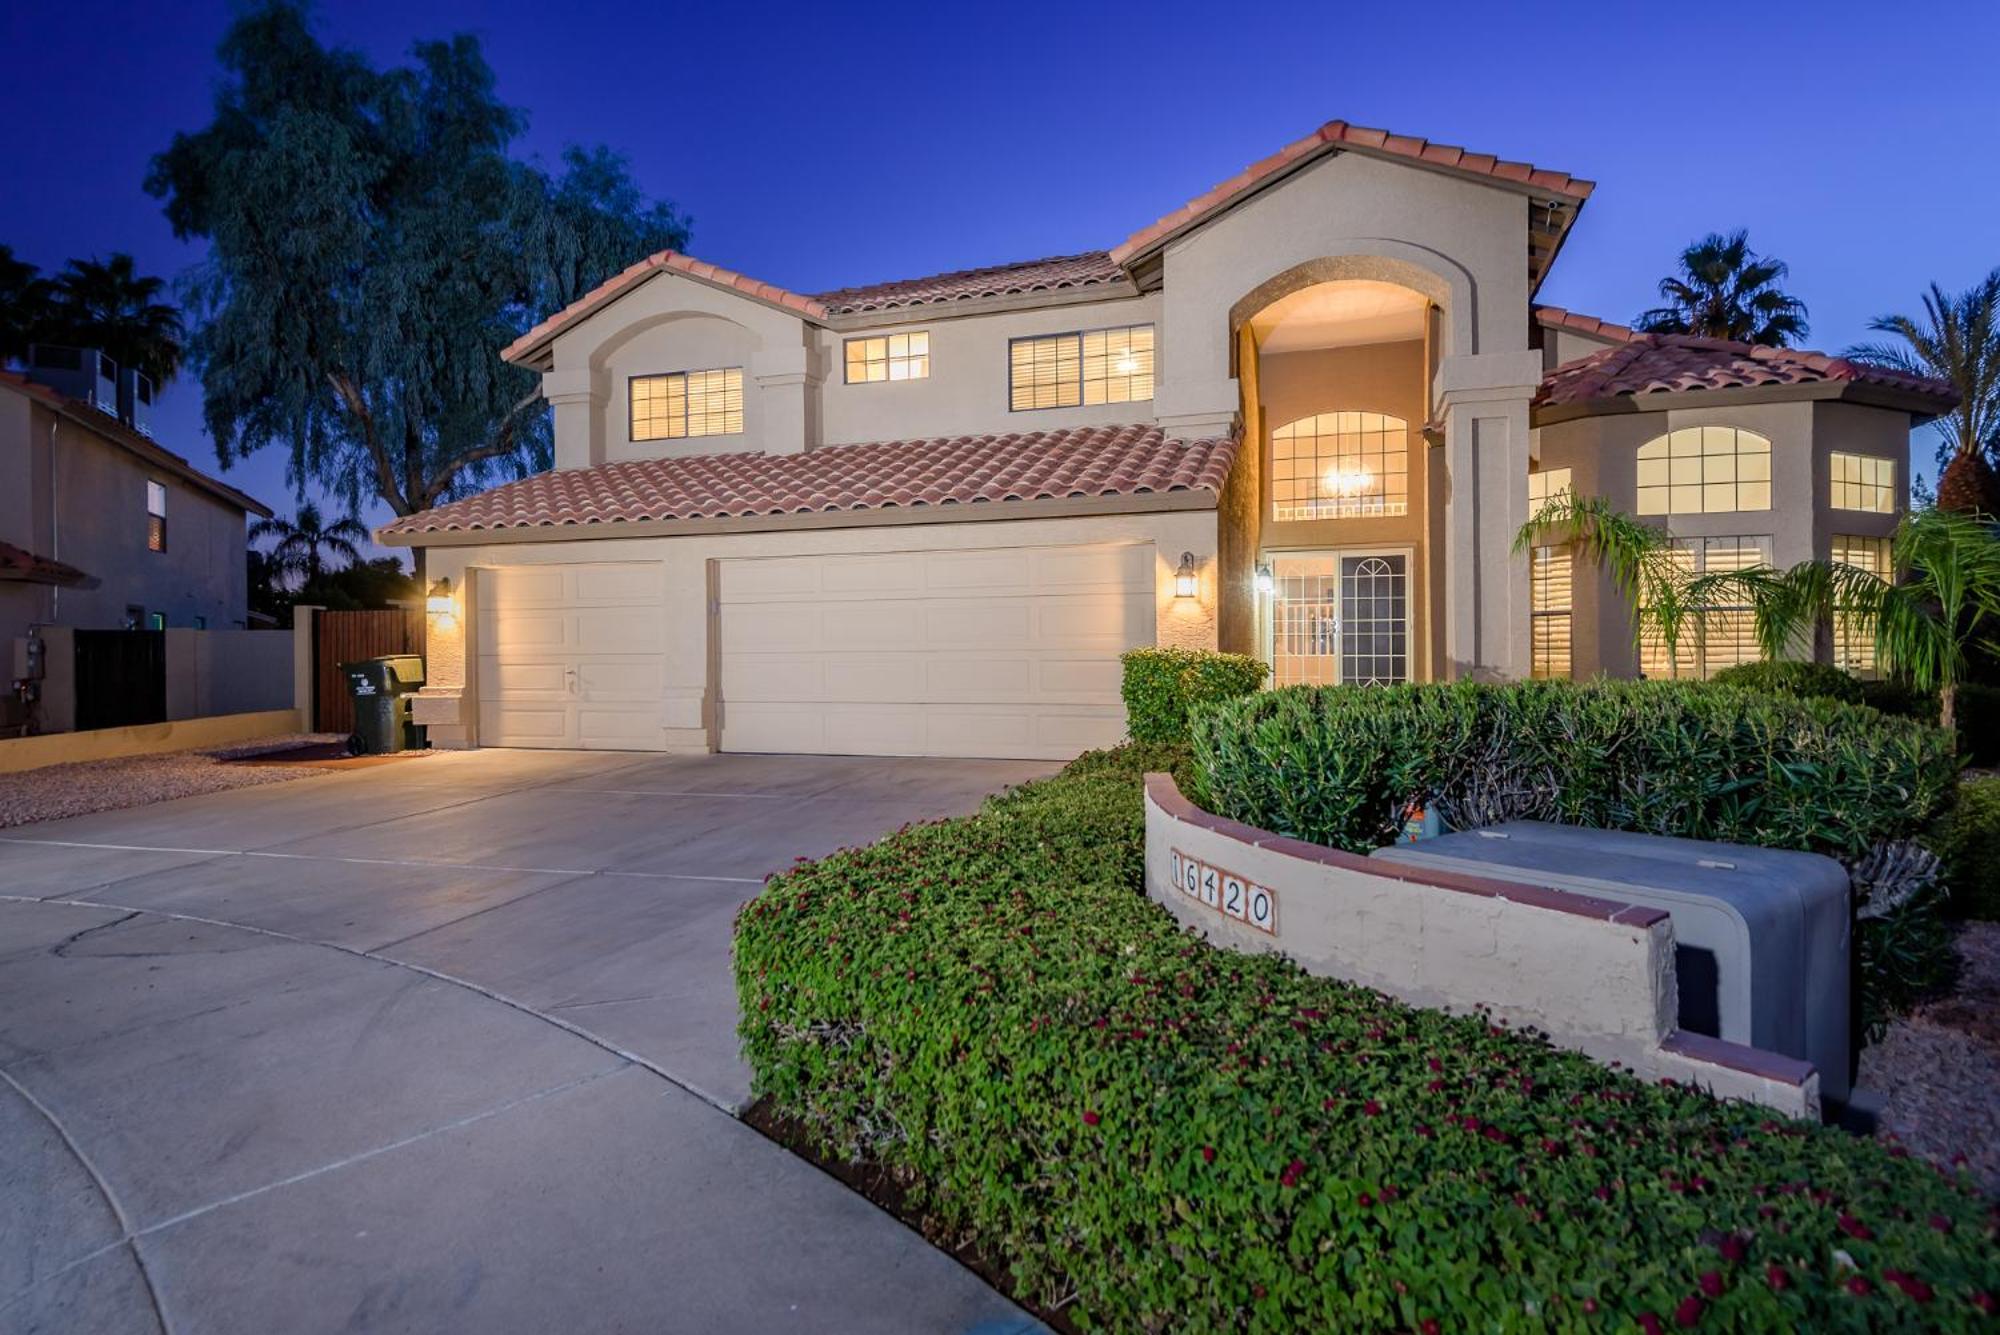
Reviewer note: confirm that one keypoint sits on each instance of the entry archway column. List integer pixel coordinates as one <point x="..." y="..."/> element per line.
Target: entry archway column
<point x="1484" y="403"/>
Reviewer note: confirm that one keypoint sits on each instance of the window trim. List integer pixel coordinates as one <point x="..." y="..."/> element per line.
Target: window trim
<point x="1735" y="456"/>
<point x="153" y="515"/>
<point x="1543" y="560"/>
<point x="1409" y="469"/>
<point x="845" y="363"/>
<point x="1893" y="487"/>
<point x="630" y="380"/>
<point x="1078" y="335"/>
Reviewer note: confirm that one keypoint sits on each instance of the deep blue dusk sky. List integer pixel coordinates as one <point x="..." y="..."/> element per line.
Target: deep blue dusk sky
<point x="828" y="144"/>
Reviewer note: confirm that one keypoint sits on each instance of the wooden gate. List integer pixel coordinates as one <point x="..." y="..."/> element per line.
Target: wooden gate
<point x="121" y="678"/>
<point x="346" y="637"/>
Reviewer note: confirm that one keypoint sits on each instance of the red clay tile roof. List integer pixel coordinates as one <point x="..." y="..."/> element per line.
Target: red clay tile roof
<point x="1555" y="317"/>
<point x="1677" y="363"/>
<point x="17" y="563"/>
<point x="1001" y="280"/>
<point x="1335" y="135"/>
<point x="612" y="287"/>
<point x="134" y="442"/>
<point x="958" y="470"/>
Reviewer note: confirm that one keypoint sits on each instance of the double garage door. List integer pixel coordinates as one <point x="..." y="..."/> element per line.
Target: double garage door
<point x="1007" y="652"/>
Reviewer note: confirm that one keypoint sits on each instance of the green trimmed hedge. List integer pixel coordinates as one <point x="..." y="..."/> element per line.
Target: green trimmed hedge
<point x="1978" y="714"/>
<point x="1163" y="684"/>
<point x="1154" y="1134"/>
<point x="1790" y="677"/>
<point x="1968" y="842"/>
<point x="1336" y="765"/>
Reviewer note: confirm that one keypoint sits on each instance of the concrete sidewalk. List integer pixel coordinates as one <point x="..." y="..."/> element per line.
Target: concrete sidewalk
<point x="438" y="1047"/>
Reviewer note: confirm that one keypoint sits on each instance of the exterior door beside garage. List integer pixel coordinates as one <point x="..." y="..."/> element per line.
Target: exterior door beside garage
<point x="572" y="656"/>
<point x="1007" y="653"/>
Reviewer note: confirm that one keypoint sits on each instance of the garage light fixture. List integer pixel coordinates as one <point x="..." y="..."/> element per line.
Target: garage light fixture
<point x="441" y="605"/>
<point x="1187" y="579"/>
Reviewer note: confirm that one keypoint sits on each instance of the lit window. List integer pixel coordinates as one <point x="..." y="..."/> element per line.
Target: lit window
<point x="688" y="403"/>
<point x="1338" y="465"/>
<point x="891" y="357"/>
<point x="1550" y="585"/>
<point x="1092" y="367"/>
<point x="1853" y="634"/>
<point x="1864" y="482"/>
<point x="1723" y="636"/>
<point x="1545" y="485"/>
<point x="1708" y="470"/>
<point x="156" y="517"/>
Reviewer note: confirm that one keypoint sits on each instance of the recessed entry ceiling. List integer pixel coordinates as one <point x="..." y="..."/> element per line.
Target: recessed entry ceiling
<point x="1340" y="315"/>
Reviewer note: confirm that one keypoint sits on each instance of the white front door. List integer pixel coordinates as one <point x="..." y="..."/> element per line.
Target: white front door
<point x="1006" y="653"/>
<point x="1340" y="617"/>
<point x="572" y="655"/>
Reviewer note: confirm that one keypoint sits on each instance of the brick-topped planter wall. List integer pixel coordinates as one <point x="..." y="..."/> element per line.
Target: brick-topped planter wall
<point x="1595" y="975"/>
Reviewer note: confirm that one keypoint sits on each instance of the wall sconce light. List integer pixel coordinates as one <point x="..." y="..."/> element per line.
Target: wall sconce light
<point x="1267" y="583"/>
<point x="440" y="604"/>
<point x="1187" y="579"/>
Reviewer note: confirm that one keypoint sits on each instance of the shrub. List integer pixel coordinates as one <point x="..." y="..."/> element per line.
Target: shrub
<point x="1156" y="1134"/>
<point x="1336" y="765"/>
<point x="1790" y="677"/>
<point x="1968" y="840"/>
<point x="1163" y="684"/>
<point x="1978" y="714"/>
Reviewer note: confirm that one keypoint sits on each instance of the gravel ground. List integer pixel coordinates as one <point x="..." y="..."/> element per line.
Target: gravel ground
<point x="56" y="791"/>
<point x="1939" y="1066"/>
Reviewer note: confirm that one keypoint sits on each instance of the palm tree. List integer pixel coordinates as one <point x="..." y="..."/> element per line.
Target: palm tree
<point x="24" y="305"/>
<point x="109" y="305"/>
<point x="301" y="541"/>
<point x="1726" y="290"/>
<point x="1956" y="339"/>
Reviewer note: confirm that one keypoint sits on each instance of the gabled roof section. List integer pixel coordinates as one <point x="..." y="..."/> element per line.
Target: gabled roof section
<point x="18" y="563"/>
<point x="957" y="472"/>
<point x="133" y="442"/>
<point x="1555" y="317"/>
<point x="1547" y="229"/>
<point x="1650" y="364"/>
<point x="1058" y="273"/>
<point x="523" y="350"/>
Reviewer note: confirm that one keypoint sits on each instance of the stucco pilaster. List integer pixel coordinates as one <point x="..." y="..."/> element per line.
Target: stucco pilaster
<point x="577" y="398"/>
<point x="786" y="388"/>
<point x="1484" y="402"/>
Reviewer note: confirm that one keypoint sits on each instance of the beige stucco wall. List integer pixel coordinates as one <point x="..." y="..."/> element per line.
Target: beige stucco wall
<point x="449" y="707"/>
<point x="81" y="499"/>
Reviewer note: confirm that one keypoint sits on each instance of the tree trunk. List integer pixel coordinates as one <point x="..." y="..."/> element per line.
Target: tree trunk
<point x="1948" y="710"/>
<point x="1968" y="485"/>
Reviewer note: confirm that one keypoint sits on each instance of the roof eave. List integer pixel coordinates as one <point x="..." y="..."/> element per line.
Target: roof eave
<point x="1921" y="406"/>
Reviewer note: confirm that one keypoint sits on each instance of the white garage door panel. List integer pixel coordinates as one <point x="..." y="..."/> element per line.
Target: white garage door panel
<point x="1008" y="652"/>
<point x="572" y="655"/>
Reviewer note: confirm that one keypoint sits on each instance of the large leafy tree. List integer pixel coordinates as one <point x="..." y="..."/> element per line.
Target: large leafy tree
<point x="1956" y="339"/>
<point x="372" y="245"/>
<point x="1723" y="289"/>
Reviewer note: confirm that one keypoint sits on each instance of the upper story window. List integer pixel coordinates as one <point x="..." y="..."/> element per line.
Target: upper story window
<point x="1547" y="484"/>
<point x="1340" y="465"/>
<point x="156" y="517"/>
<point x="891" y="357"/>
<point x="688" y="403"/>
<point x="1863" y="482"/>
<point x="1704" y="470"/>
<point x="1088" y="367"/>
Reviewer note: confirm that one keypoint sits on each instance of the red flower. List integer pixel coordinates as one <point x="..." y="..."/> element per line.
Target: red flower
<point x="1371" y="1108"/>
<point x="1650" y="1324"/>
<point x="1983" y="1301"/>
<point x="1090" y="1118"/>
<point x="1909" y="1284"/>
<point x="1436" y="1065"/>
<point x="1690" y="1310"/>
<point x="1775" y="1276"/>
<point x="1589" y="1306"/>
<point x="1429" y="1326"/>
<point x="1365" y="1201"/>
<point x="1940" y="1223"/>
<point x="1854" y="1228"/>
<point x="1208" y="1154"/>
<point x="1732" y="1249"/>
<point x="1711" y="1283"/>
<point x="1860" y="1287"/>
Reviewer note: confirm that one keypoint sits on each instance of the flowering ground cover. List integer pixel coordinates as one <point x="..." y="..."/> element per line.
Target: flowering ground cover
<point x="1152" y="1134"/>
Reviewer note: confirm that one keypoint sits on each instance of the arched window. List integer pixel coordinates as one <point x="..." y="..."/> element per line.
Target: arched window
<point x="1704" y="470"/>
<point x="1338" y="465"/>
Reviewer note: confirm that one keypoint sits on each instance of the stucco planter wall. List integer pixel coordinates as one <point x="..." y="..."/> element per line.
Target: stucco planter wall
<point x="1595" y="975"/>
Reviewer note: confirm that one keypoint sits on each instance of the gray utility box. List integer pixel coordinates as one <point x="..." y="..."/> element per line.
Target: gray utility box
<point x="1761" y="934"/>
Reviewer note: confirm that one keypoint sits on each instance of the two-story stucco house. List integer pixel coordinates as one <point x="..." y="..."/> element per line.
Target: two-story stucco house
<point x="1303" y="416"/>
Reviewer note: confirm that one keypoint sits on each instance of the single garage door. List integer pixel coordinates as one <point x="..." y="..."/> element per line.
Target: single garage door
<point x="1009" y="652"/>
<point x="570" y="656"/>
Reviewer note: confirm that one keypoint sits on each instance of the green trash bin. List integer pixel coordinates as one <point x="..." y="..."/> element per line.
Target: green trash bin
<point x="381" y="688"/>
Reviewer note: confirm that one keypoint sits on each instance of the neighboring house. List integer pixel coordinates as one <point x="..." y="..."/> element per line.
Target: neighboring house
<point x="102" y="529"/>
<point x="1302" y="416"/>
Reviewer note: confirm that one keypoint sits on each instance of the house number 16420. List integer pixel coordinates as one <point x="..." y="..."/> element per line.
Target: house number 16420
<point x="1224" y="891"/>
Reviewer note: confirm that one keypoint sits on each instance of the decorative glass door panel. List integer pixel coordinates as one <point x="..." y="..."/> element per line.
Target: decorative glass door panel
<point x="1340" y="618"/>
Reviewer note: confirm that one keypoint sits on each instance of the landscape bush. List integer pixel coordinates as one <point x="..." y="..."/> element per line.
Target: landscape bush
<point x="1338" y="765"/>
<point x="1968" y="841"/>
<point x="1978" y="714"/>
<point x="1152" y="1134"/>
<point x="1162" y="685"/>
<point x="1791" y="677"/>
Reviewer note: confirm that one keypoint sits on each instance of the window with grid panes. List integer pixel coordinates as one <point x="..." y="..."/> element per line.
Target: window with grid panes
<point x="1340" y="465"/>
<point x="1854" y="633"/>
<point x="1862" y="482"/>
<point x="688" y="403"/>
<point x="889" y="357"/>
<point x="1722" y="637"/>
<point x="1544" y="485"/>
<point x="1087" y="367"/>
<point x="156" y="517"/>
<point x="1551" y="581"/>
<point x="1704" y="470"/>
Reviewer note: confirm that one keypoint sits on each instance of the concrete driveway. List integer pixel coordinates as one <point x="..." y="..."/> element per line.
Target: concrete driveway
<point x="445" y="1045"/>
